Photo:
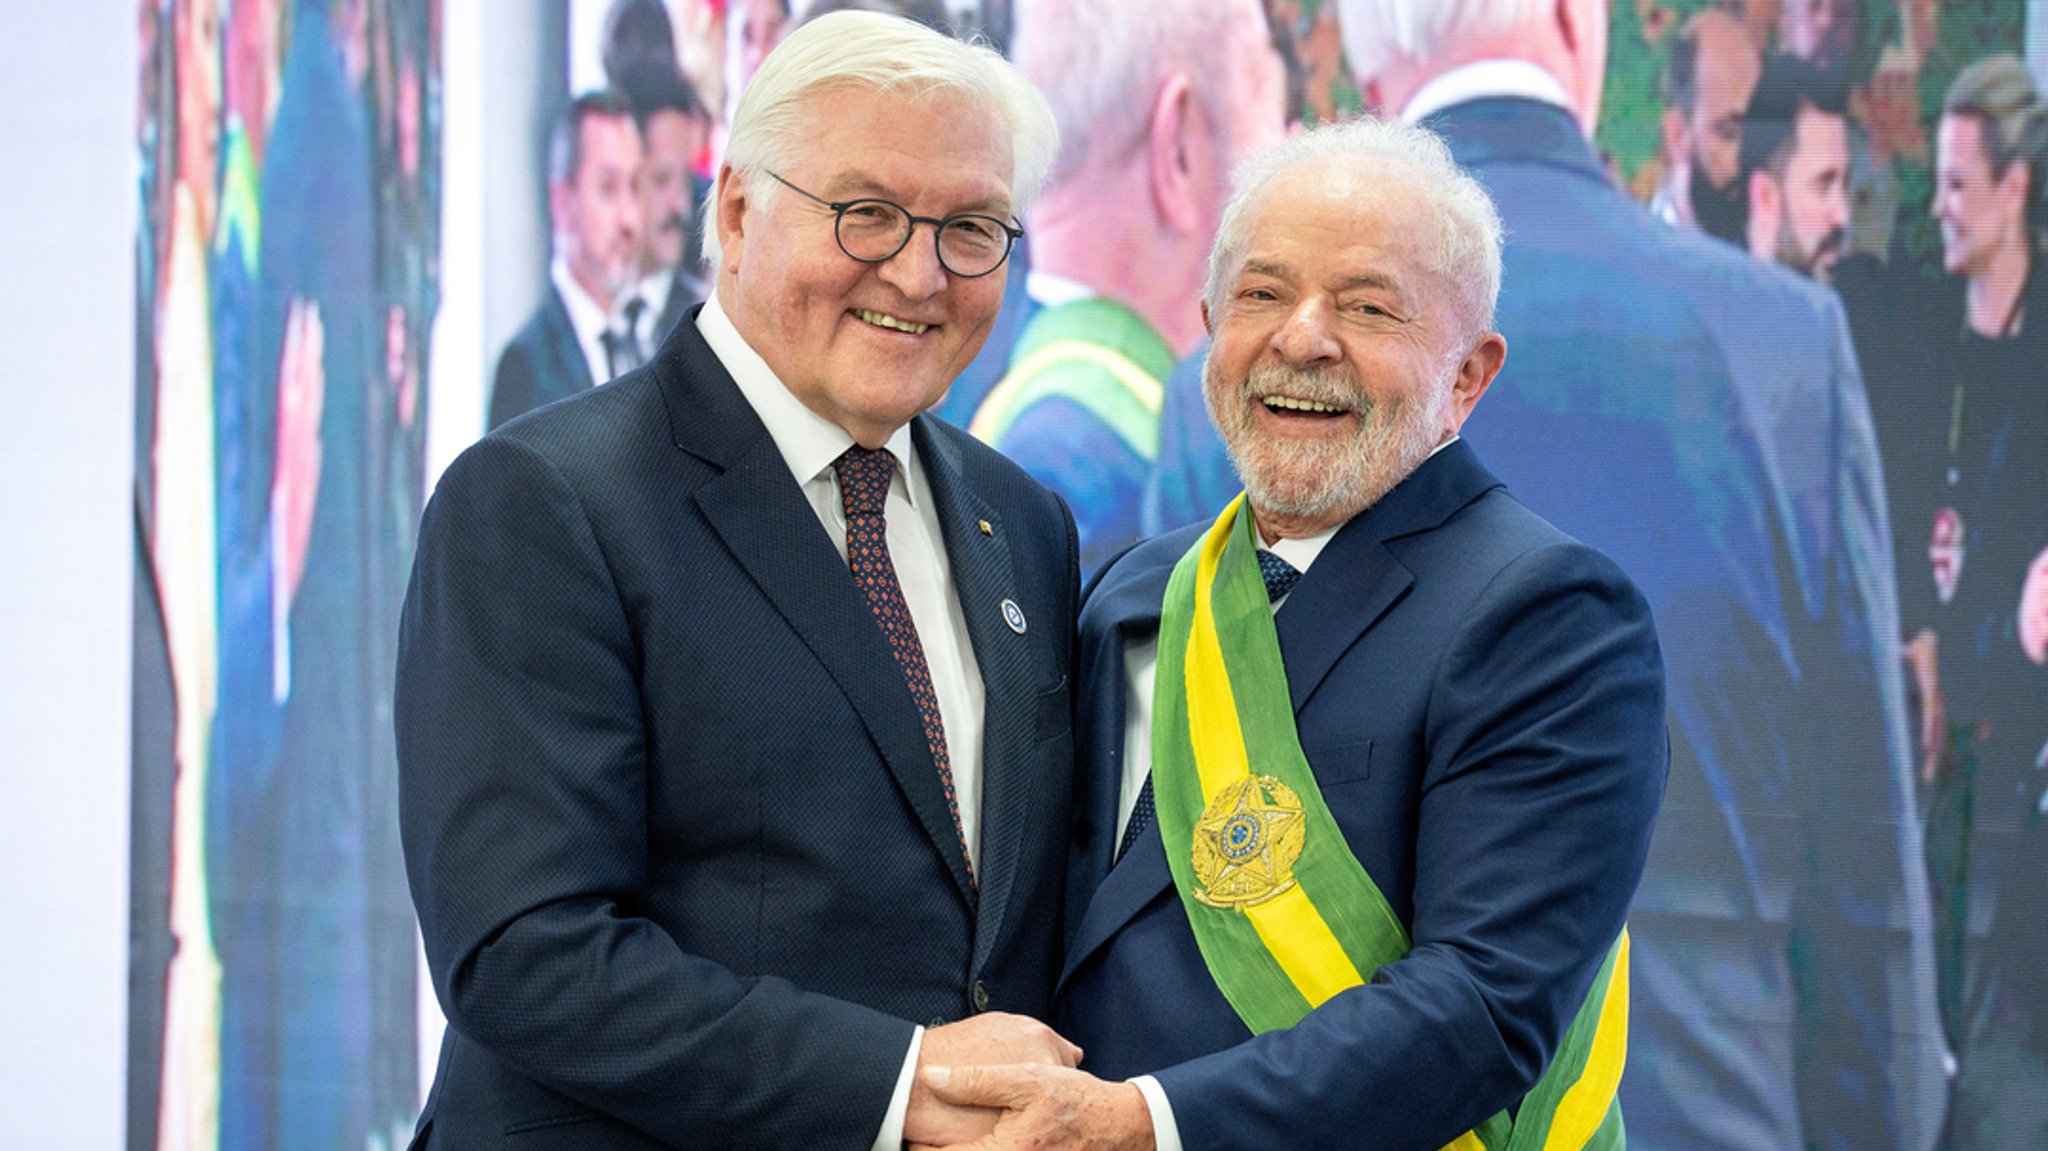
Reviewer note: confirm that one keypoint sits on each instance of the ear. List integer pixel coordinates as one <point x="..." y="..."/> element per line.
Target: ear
<point x="1671" y="127"/>
<point x="1764" y="204"/>
<point x="730" y="217"/>
<point x="1208" y="321"/>
<point x="561" y="199"/>
<point x="1170" y="159"/>
<point x="1475" y="374"/>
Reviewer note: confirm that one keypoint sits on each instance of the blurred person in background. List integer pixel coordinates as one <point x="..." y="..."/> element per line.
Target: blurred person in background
<point x="1707" y="81"/>
<point x="1156" y="103"/>
<point x="584" y="331"/>
<point x="1794" y="168"/>
<point x="1971" y="477"/>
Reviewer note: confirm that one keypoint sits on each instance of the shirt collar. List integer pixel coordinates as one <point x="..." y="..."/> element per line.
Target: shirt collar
<point x="584" y="315"/>
<point x="1485" y="78"/>
<point x="808" y="441"/>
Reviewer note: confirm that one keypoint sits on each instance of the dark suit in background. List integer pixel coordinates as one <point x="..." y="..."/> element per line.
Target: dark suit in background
<point x="1700" y="417"/>
<point x="1481" y="701"/>
<point x="639" y="686"/>
<point x="542" y="364"/>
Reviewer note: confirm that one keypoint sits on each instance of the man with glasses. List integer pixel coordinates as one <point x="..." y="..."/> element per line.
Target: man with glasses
<point x="733" y="703"/>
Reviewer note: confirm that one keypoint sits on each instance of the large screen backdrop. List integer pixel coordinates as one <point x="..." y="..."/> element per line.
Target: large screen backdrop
<point x="1837" y="947"/>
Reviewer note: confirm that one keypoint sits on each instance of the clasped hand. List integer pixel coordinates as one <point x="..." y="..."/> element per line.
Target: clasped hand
<point x="999" y="1082"/>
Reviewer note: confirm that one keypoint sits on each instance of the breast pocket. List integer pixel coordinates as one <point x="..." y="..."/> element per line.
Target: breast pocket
<point x="1053" y="713"/>
<point x="1339" y="762"/>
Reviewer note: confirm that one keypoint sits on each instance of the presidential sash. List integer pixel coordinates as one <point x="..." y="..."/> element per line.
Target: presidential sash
<point x="1285" y="915"/>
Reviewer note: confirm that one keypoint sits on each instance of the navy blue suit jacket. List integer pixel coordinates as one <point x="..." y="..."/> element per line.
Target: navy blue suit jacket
<point x="685" y="872"/>
<point x="1699" y="416"/>
<point x="1481" y="700"/>
<point x="542" y="364"/>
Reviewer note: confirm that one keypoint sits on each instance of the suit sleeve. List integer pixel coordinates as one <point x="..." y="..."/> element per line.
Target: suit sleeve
<point x="1867" y="1046"/>
<point x="1546" y="758"/>
<point x="524" y="783"/>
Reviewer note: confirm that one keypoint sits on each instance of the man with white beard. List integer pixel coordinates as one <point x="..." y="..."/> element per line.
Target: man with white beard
<point x="1367" y="767"/>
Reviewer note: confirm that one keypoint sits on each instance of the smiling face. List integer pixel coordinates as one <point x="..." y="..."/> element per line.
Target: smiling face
<point x="867" y="346"/>
<point x="1341" y="359"/>
<point x="1980" y="216"/>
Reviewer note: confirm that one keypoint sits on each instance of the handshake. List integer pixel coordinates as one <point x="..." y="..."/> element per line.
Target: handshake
<point x="998" y="1082"/>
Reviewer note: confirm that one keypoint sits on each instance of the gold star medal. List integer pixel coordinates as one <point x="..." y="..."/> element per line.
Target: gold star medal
<point x="1246" y="843"/>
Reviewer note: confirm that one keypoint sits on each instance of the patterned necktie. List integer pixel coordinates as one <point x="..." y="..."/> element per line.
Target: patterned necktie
<point x="1280" y="579"/>
<point x="863" y="487"/>
<point x="622" y="347"/>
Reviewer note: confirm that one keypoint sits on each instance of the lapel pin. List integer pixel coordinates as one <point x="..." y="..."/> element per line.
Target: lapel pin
<point x="1014" y="616"/>
<point x="987" y="528"/>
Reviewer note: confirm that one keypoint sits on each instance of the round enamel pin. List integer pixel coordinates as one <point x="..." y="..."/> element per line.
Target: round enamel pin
<point x="1014" y="616"/>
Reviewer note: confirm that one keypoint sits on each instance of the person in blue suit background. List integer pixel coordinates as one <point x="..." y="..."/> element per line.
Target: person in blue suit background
<point x="1700" y="417"/>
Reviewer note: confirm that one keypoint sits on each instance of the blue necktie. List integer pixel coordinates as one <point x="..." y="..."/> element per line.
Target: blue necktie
<point x="1280" y="579"/>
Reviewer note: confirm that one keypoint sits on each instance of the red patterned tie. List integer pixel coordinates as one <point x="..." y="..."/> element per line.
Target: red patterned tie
<point x="863" y="486"/>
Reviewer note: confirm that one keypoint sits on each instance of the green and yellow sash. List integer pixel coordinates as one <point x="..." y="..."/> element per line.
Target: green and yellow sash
<point x="1284" y="913"/>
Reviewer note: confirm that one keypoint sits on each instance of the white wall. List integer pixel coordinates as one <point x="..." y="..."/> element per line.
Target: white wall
<point x="67" y="229"/>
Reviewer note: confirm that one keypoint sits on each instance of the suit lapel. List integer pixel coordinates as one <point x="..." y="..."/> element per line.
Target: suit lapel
<point x="984" y="577"/>
<point x="1111" y="891"/>
<point x="760" y="513"/>
<point x="566" y="349"/>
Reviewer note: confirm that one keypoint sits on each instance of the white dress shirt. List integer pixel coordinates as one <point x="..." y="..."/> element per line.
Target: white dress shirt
<point x="1485" y="79"/>
<point x="809" y="443"/>
<point x="590" y="321"/>
<point x="1141" y="666"/>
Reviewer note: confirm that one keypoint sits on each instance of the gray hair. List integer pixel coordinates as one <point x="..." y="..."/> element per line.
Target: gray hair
<point x="1462" y="233"/>
<point x="1099" y="64"/>
<point x="1380" y="32"/>
<point x="874" y="52"/>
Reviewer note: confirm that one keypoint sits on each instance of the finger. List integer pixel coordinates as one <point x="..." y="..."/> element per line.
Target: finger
<point x="976" y="1086"/>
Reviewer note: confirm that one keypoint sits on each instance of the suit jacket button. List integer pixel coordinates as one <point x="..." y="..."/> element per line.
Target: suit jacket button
<point x="937" y="1021"/>
<point x="980" y="996"/>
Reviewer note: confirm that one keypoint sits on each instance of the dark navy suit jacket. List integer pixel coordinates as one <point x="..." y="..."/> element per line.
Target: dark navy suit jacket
<point x="542" y="364"/>
<point x="1481" y="700"/>
<point x="685" y="873"/>
<point x="1699" y="416"/>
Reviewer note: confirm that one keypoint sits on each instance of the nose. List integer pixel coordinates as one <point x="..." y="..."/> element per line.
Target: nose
<point x="915" y="269"/>
<point x="1305" y="337"/>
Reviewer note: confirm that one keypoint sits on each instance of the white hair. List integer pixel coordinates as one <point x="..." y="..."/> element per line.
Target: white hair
<point x="1382" y="32"/>
<point x="876" y="52"/>
<point x="1100" y="63"/>
<point x="1462" y="242"/>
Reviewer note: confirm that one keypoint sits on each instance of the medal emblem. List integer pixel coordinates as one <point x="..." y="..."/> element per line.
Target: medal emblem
<point x="1246" y="843"/>
<point x="1945" y="552"/>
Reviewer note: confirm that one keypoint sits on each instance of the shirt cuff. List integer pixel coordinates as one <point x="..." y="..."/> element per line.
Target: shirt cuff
<point x="890" y="1137"/>
<point x="1165" y="1132"/>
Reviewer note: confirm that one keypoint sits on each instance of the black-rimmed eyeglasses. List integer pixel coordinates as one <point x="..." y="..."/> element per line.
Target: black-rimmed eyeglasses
<point x="872" y="230"/>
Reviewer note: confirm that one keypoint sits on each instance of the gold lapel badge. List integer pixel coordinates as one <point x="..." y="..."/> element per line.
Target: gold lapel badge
<point x="1246" y="842"/>
<point x="987" y="529"/>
